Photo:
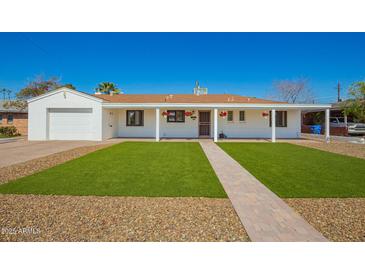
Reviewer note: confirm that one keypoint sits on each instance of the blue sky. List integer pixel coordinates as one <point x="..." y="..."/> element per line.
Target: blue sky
<point x="238" y="63"/>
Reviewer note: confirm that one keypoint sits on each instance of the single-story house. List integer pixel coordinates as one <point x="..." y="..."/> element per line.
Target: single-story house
<point x="11" y="116"/>
<point x="66" y="114"/>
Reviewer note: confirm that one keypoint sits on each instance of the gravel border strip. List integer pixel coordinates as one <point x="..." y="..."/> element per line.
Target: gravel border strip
<point x="93" y="218"/>
<point x="338" y="219"/>
<point x="354" y="150"/>
<point x="16" y="171"/>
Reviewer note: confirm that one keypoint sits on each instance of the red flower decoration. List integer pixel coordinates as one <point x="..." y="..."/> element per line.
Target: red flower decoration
<point x="223" y="114"/>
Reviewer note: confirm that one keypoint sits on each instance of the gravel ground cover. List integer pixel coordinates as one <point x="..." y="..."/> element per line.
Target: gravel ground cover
<point x="338" y="219"/>
<point x="29" y="167"/>
<point x="355" y="150"/>
<point x="91" y="218"/>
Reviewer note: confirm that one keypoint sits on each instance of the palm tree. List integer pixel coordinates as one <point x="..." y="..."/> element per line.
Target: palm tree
<point x="107" y="88"/>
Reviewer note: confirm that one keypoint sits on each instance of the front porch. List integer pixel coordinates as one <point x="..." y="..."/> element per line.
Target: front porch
<point x="177" y="123"/>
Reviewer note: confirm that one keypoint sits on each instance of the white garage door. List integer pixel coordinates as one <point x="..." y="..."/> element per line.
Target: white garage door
<point x="70" y="124"/>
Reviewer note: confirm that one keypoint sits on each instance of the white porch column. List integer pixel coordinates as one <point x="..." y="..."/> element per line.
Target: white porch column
<point x="327" y="125"/>
<point x="157" y="124"/>
<point x="215" y="125"/>
<point x="273" y="125"/>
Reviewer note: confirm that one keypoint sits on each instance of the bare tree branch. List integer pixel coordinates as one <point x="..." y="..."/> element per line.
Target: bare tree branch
<point x="293" y="91"/>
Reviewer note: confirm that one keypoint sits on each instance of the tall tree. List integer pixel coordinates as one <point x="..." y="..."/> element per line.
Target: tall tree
<point x="38" y="87"/>
<point x="107" y="88"/>
<point x="34" y="88"/>
<point x="355" y="105"/>
<point x="293" y="91"/>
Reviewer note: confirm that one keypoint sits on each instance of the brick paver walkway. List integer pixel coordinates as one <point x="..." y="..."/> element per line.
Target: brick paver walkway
<point x="264" y="215"/>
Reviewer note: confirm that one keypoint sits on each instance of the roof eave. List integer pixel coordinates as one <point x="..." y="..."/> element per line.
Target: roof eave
<point x="217" y="105"/>
<point x="65" y="89"/>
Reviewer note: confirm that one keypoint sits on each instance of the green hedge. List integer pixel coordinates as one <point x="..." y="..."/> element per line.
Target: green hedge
<point x="9" y="131"/>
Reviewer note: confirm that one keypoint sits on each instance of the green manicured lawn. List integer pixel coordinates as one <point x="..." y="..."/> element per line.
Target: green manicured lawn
<point x="295" y="171"/>
<point x="129" y="169"/>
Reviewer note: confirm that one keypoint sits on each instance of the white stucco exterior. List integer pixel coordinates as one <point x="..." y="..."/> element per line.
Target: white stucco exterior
<point x="110" y="123"/>
<point x="67" y="114"/>
<point x="256" y="126"/>
<point x="188" y="129"/>
<point x="38" y="113"/>
<point x="145" y="131"/>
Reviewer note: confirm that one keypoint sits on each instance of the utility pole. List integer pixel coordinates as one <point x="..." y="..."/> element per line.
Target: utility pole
<point x="339" y="92"/>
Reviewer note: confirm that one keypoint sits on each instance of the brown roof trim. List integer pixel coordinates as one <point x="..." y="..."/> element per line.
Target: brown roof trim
<point x="183" y="98"/>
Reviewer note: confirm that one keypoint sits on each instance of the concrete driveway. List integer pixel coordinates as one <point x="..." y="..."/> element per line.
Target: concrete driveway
<point x="22" y="150"/>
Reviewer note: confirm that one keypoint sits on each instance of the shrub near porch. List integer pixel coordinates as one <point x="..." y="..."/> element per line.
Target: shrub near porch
<point x="128" y="169"/>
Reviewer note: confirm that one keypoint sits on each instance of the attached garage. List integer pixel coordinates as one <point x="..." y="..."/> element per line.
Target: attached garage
<point x="65" y="114"/>
<point x="70" y="123"/>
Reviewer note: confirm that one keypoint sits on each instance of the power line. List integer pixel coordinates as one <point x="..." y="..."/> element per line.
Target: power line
<point x="34" y="43"/>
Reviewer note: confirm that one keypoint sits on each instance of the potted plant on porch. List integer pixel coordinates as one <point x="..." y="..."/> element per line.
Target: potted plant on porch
<point x="190" y="114"/>
<point x="223" y="114"/>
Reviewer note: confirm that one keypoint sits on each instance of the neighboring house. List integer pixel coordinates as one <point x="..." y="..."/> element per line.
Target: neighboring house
<point x="14" y="117"/>
<point x="66" y="114"/>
